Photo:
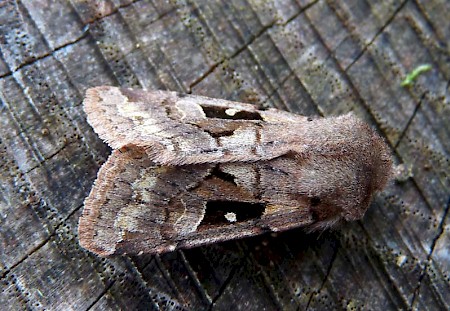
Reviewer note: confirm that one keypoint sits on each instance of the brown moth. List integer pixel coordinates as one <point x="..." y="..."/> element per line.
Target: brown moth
<point x="189" y="170"/>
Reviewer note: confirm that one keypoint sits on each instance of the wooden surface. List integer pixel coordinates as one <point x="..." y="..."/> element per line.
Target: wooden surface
<point x="308" y="57"/>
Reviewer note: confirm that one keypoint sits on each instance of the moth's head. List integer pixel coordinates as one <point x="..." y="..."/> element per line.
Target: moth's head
<point x="341" y="182"/>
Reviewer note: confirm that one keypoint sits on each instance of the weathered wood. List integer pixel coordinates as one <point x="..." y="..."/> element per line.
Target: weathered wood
<point x="310" y="57"/>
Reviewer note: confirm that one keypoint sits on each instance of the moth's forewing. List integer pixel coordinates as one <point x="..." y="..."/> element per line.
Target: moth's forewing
<point x="134" y="204"/>
<point x="187" y="129"/>
<point x="137" y="207"/>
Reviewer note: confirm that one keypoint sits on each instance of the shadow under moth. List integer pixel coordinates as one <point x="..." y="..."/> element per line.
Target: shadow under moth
<point x="189" y="170"/>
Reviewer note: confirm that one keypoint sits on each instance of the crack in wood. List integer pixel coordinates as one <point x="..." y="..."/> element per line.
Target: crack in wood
<point x="440" y="232"/>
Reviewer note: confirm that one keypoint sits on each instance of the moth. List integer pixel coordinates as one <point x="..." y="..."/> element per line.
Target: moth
<point x="190" y="170"/>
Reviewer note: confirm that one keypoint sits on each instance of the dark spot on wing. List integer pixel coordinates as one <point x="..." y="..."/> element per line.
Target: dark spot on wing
<point x="220" y="113"/>
<point x="218" y="134"/>
<point x="216" y="211"/>
<point x="216" y="172"/>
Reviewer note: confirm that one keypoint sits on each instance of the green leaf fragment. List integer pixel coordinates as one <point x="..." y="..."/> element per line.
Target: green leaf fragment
<point x="415" y="73"/>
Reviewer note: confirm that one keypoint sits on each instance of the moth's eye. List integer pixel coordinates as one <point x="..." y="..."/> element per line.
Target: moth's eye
<point x="229" y="113"/>
<point x="315" y="201"/>
<point x="323" y="211"/>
